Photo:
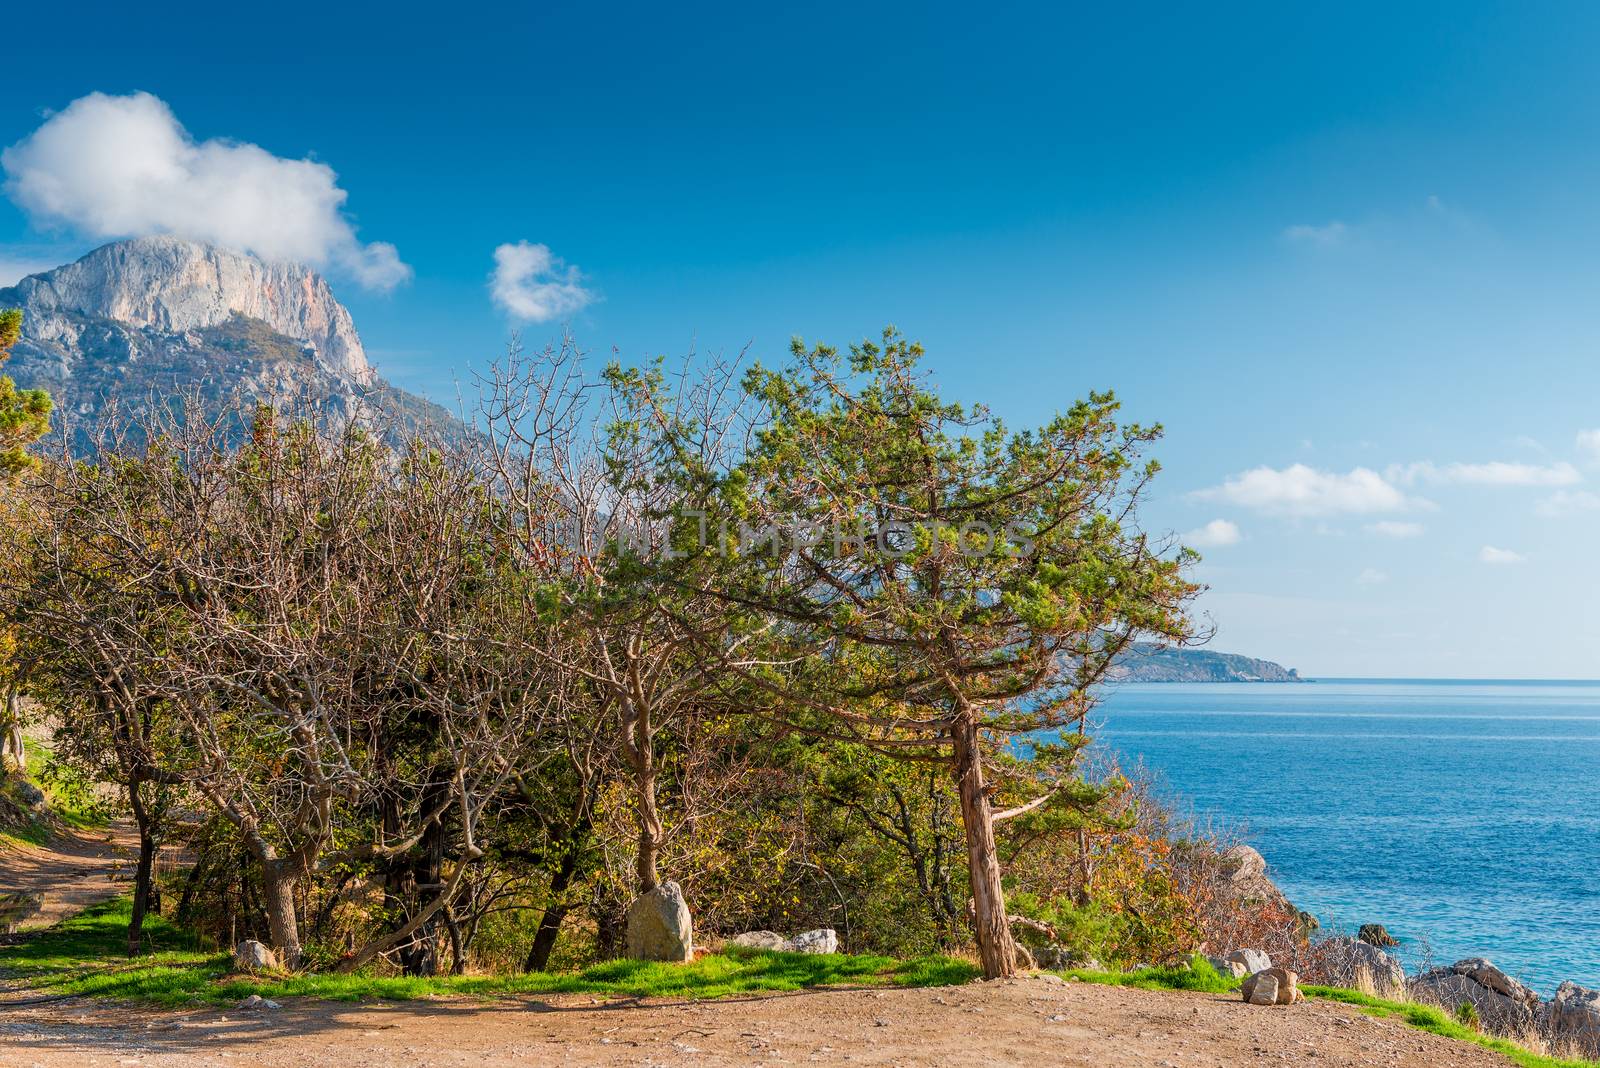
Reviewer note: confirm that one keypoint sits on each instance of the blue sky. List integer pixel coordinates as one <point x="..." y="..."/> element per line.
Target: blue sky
<point x="1319" y="242"/>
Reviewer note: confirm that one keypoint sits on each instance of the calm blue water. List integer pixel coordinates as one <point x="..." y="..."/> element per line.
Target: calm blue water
<point x="1465" y="813"/>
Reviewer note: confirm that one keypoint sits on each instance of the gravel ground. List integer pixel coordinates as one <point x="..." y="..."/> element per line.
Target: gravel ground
<point x="1035" y="1021"/>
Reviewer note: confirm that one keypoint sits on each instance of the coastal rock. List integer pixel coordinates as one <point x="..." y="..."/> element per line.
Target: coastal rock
<point x="252" y="956"/>
<point x="659" y="925"/>
<point x="1575" y="1015"/>
<point x="1246" y="883"/>
<point x="1502" y="1003"/>
<point x="1360" y="965"/>
<point x="1274" y="986"/>
<point x="1376" y="934"/>
<point x="1253" y="960"/>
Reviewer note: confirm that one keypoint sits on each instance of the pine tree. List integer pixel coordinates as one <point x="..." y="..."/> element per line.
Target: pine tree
<point x="24" y="413"/>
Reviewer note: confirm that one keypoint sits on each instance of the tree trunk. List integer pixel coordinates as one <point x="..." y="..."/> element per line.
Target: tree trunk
<point x="996" y="950"/>
<point x="278" y="881"/>
<point x="11" y="737"/>
<point x="544" y="939"/>
<point x="642" y="754"/>
<point x="142" y="879"/>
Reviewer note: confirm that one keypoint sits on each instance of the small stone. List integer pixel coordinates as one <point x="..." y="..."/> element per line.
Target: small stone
<point x="252" y="956"/>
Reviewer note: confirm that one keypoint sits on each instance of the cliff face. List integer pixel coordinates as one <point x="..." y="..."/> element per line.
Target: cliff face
<point x="1145" y="662"/>
<point x="139" y="321"/>
<point x="172" y="286"/>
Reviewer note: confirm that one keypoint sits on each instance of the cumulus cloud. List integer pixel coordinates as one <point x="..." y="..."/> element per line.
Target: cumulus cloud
<point x="1497" y="473"/>
<point x="1393" y="528"/>
<point x="1589" y="445"/>
<point x="1331" y="233"/>
<point x="1300" y="491"/>
<point x="1491" y="555"/>
<point x="1214" y="535"/>
<point x="1567" y="502"/>
<point x="532" y="284"/>
<point x="123" y="166"/>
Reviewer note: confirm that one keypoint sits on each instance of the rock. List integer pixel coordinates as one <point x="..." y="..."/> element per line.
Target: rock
<point x="1247" y="884"/>
<point x="1503" y="1004"/>
<point x="1360" y="965"/>
<point x="27" y="794"/>
<point x="173" y="286"/>
<point x="760" y="940"/>
<point x="1376" y="934"/>
<point x="1263" y="990"/>
<point x="252" y="956"/>
<point x="257" y="1003"/>
<point x="1228" y="968"/>
<point x="659" y="925"/>
<point x="1254" y="960"/>
<point x="1274" y="986"/>
<point x="1575" y="1015"/>
<point x="821" y="940"/>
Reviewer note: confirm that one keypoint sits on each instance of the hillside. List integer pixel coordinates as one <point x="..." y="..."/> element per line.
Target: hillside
<point x="138" y="322"/>
<point x="1152" y="663"/>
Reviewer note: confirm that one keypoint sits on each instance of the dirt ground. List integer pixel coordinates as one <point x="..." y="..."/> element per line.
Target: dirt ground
<point x="76" y="870"/>
<point x="1037" y="1021"/>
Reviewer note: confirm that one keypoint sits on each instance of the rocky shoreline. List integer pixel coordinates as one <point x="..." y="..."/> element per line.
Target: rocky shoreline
<point x="1473" y="990"/>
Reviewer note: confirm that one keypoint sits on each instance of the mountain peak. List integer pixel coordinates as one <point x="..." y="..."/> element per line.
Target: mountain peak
<point x="173" y="285"/>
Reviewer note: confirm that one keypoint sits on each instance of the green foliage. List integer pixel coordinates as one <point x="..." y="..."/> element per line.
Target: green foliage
<point x="71" y="959"/>
<point x="24" y="413"/>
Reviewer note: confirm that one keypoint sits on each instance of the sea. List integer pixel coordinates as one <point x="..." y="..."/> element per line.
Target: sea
<point x="1462" y="815"/>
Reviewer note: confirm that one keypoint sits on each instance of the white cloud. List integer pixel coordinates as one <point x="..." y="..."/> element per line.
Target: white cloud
<point x="1299" y="490"/>
<point x="1497" y="473"/>
<point x="1214" y="535"/>
<point x="530" y="283"/>
<point x="1567" y="502"/>
<point x="1372" y="577"/>
<point x="1589" y="445"/>
<point x="1331" y="233"/>
<point x="1490" y="555"/>
<point x="123" y="166"/>
<point x="1391" y="528"/>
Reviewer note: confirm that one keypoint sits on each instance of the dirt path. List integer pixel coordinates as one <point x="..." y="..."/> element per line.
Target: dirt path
<point x="1039" y="1021"/>
<point x="76" y="870"/>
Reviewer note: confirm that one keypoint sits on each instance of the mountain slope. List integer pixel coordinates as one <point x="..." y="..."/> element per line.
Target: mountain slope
<point x="139" y="321"/>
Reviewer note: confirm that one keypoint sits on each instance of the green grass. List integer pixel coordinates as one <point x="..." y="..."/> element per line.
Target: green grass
<point x="84" y="956"/>
<point x="1202" y="977"/>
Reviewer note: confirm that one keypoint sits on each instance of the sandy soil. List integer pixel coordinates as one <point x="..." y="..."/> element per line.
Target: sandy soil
<point x="1037" y="1021"/>
<point x="74" y="871"/>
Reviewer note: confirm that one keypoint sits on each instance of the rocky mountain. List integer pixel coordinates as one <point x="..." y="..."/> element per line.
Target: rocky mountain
<point x="1147" y="662"/>
<point x="138" y="321"/>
